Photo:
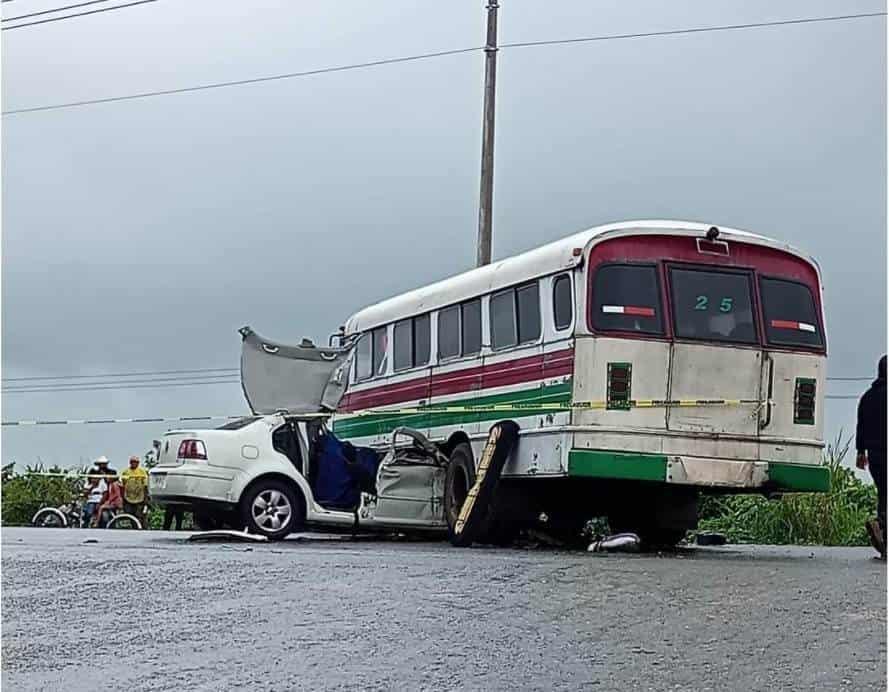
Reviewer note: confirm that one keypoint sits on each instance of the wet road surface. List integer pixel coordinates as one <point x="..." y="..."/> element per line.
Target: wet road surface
<point x="149" y="611"/>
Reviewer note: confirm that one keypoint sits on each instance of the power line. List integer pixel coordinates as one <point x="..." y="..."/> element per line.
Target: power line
<point x="57" y="9"/>
<point x="74" y="386"/>
<point x="118" y="374"/>
<point x="71" y="16"/>
<point x="389" y="61"/>
<point x="121" y="386"/>
<point x="239" y="82"/>
<point x="850" y="379"/>
<point x="695" y="30"/>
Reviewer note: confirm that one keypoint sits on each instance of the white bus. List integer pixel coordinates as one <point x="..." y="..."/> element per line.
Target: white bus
<point x="645" y="362"/>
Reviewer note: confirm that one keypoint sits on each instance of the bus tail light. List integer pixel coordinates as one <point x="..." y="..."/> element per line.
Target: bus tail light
<point x="804" y="401"/>
<point x="619" y="391"/>
<point x="192" y="450"/>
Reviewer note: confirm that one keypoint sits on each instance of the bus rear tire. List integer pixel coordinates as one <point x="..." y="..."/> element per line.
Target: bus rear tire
<point x="459" y="478"/>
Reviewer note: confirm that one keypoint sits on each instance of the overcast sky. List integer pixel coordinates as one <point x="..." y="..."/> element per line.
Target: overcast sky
<point x="138" y="236"/>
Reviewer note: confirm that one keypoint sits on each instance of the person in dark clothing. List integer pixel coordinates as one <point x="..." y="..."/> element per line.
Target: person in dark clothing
<point x="171" y="513"/>
<point x="870" y="443"/>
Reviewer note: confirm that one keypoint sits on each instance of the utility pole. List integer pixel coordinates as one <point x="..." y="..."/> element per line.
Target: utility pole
<point x="486" y="196"/>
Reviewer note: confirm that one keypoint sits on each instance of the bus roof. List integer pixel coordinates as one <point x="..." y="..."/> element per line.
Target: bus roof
<point x="563" y="254"/>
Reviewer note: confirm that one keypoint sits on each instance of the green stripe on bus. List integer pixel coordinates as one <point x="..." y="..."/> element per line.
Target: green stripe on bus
<point x="369" y="425"/>
<point x="588" y="463"/>
<point x="799" y="478"/>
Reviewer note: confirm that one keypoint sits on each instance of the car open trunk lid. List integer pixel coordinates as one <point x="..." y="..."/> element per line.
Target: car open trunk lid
<point x="296" y="379"/>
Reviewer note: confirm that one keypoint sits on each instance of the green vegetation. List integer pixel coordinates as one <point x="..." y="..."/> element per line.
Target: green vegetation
<point x="833" y="518"/>
<point x="24" y="493"/>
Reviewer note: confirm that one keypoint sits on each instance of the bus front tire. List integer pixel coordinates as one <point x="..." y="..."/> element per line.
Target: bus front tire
<point x="459" y="478"/>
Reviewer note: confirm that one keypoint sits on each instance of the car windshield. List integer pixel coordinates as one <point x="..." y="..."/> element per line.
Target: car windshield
<point x="712" y="306"/>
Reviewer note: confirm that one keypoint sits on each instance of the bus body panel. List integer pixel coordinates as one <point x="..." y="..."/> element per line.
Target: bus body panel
<point x="731" y="444"/>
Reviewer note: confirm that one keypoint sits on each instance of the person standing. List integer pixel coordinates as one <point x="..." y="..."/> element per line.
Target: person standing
<point x="171" y="513"/>
<point x="135" y="491"/>
<point x="94" y="489"/>
<point x="870" y="443"/>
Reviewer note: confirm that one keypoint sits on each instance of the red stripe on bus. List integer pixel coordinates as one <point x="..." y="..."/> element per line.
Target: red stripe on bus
<point x="510" y="372"/>
<point x="785" y="324"/>
<point x="640" y="312"/>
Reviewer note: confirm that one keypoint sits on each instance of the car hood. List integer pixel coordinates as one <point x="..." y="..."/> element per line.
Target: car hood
<point x="296" y="379"/>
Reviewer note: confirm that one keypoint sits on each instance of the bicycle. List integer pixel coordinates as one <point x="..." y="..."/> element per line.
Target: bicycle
<point x="70" y="515"/>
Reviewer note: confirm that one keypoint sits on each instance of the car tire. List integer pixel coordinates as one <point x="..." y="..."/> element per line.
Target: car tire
<point x="272" y="509"/>
<point x="459" y="478"/>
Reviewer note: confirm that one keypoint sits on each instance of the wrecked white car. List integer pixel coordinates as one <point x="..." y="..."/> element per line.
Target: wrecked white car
<point x="281" y="469"/>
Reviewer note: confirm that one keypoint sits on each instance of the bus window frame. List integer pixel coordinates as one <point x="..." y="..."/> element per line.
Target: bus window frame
<point x="366" y="378"/>
<point x="792" y="348"/>
<point x="666" y="335"/>
<point x="412" y="321"/>
<point x="573" y="303"/>
<point x="755" y="303"/>
<point x="514" y="291"/>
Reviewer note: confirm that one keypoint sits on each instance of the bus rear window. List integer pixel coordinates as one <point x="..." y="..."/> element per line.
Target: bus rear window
<point x="712" y="306"/>
<point x="626" y="298"/>
<point x="789" y="314"/>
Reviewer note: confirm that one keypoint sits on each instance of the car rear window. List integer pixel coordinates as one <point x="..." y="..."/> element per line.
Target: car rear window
<point x="626" y="297"/>
<point x="712" y="306"/>
<point x="790" y="315"/>
<point x="238" y="424"/>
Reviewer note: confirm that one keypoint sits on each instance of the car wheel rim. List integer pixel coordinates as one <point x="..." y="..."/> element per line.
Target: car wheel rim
<point x="271" y="510"/>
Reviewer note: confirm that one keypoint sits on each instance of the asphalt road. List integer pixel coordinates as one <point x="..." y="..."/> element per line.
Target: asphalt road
<point x="149" y="611"/>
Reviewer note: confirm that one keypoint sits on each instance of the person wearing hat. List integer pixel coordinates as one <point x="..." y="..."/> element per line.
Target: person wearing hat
<point x="870" y="443"/>
<point x="95" y="487"/>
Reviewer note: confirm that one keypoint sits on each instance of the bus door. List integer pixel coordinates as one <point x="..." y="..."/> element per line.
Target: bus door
<point x="715" y="356"/>
<point x="791" y="427"/>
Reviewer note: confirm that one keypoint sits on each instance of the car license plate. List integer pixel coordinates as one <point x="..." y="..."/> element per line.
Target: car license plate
<point x="160" y="481"/>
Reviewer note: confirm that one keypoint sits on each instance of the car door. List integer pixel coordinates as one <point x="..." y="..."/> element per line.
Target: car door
<point x="296" y="379"/>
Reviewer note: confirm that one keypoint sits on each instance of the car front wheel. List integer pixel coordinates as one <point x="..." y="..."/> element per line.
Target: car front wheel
<point x="270" y="508"/>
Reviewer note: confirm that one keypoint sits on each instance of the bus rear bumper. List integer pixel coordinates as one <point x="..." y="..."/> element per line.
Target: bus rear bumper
<point x="698" y="471"/>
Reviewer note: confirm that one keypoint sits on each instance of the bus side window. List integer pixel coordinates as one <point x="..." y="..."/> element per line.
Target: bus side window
<point x="422" y="339"/>
<point x="410" y="345"/>
<point x="363" y="362"/>
<point x="402" y="346"/>
<point x="380" y="339"/>
<point x="449" y="332"/>
<point x="563" y="308"/>
<point x="503" y="320"/>
<point x="471" y="322"/>
<point x="528" y="304"/>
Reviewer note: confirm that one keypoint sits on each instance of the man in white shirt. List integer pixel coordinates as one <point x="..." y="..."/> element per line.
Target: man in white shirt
<point x="94" y="488"/>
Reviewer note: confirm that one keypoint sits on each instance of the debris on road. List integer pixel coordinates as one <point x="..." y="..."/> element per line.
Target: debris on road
<point x="616" y="543"/>
<point x="226" y="535"/>
<point x="710" y="539"/>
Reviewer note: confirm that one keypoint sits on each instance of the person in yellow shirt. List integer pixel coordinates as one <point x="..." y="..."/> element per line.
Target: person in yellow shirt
<point x="135" y="491"/>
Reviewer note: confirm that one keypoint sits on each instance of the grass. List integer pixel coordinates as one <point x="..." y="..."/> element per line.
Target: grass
<point x="836" y="517"/>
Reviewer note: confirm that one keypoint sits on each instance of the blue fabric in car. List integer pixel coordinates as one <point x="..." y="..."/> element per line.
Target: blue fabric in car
<point x="342" y="472"/>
